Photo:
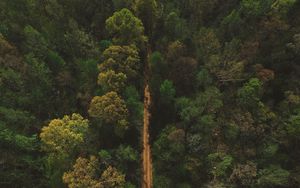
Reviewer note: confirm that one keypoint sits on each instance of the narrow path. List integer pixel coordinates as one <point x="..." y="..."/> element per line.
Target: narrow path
<point x="147" y="161"/>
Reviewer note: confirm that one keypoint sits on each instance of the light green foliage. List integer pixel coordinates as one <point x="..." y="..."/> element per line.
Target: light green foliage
<point x="293" y="126"/>
<point x="18" y="141"/>
<point x="273" y="176"/>
<point x="85" y="173"/>
<point x="64" y="135"/>
<point x="255" y="8"/>
<point x="109" y="108"/>
<point x="206" y="102"/>
<point x="125" y="28"/>
<point x="121" y="59"/>
<point x="249" y="94"/>
<point x="220" y="164"/>
<point x="283" y="6"/>
<point x="167" y="92"/>
<point x="112" y="81"/>
<point x="35" y="43"/>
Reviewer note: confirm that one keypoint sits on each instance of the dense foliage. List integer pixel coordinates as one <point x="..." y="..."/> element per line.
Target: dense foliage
<point x="224" y="82"/>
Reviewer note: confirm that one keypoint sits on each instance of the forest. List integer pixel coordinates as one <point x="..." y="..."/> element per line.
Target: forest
<point x="149" y="93"/>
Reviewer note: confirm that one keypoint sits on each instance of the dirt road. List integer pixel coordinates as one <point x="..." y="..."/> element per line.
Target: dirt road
<point x="147" y="161"/>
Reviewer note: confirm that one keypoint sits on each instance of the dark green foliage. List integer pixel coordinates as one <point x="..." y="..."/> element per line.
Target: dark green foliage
<point x="224" y="80"/>
<point x="167" y="92"/>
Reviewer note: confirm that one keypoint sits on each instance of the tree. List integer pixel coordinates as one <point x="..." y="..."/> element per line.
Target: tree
<point x="183" y="74"/>
<point x="62" y="136"/>
<point x="119" y="4"/>
<point x="148" y="11"/>
<point x="112" y="81"/>
<point x="220" y="164"/>
<point x="168" y="150"/>
<point x="125" y="28"/>
<point x="121" y="59"/>
<point x="109" y="108"/>
<point x="205" y="103"/>
<point x="204" y="79"/>
<point x="35" y="43"/>
<point x="79" y="43"/>
<point x="249" y="94"/>
<point x="226" y="64"/>
<point x="207" y="43"/>
<point x="167" y="92"/>
<point x="244" y="174"/>
<point x="175" y="26"/>
<point x="255" y="8"/>
<point x="273" y="176"/>
<point x="86" y="173"/>
<point x="293" y="127"/>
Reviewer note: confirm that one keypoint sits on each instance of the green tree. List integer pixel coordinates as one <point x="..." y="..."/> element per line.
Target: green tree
<point x="176" y="27"/>
<point x="293" y="127"/>
<point x="148" y="11"/>
<point x="125" y="28"/>
<point x="273" y="176"/>
<point x="249" y="94"/>
<point x="35" y="42"/>
<point x="220" y="164"/>
<point x="109" y="108"/>
<point x="167" y="92"/>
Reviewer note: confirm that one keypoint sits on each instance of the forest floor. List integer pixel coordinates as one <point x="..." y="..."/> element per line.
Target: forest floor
<point x="147" y="161"/>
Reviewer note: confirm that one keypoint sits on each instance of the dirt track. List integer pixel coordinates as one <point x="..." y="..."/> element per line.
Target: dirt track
<point x="147" y="161"/>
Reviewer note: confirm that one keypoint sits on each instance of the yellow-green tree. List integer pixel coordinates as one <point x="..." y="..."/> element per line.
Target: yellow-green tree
<point x="86" y="173"/>
<point x="64" y="135"/>
<point x="110" y="108"/>
<point x="124" y="59"/>
<point x="112" y="81"/>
